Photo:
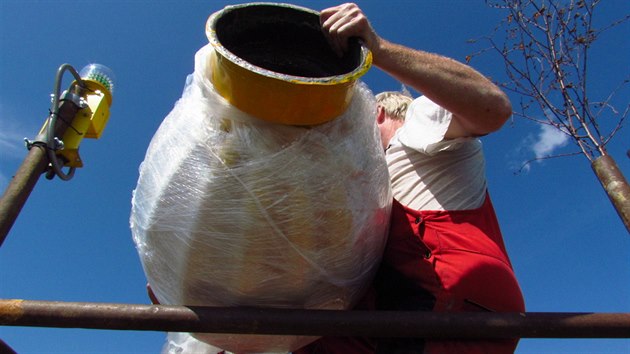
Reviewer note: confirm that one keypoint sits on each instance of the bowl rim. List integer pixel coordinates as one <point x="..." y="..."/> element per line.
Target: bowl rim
<point x="360" y="70"/>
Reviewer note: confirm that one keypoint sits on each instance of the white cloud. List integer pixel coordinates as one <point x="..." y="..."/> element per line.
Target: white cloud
<point x="13" y="131"/>
<point x="548" y="140"/>
<point x="12" y="134"/>
<point x="11" y="140"/>
<point x="537" y="145"/>
<point x="10" y="143"/>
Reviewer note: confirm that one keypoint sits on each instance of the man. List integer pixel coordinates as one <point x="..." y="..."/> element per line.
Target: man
<point x="445" y="251"/>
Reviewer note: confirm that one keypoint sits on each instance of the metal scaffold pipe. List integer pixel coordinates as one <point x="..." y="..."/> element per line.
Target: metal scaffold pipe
<point x="23" y="182"/>
<point x="20" y="188"/>
<point x="312" y="322"/>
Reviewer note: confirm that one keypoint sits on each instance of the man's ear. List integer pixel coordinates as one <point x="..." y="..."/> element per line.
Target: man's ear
<point x="380" y="114"/>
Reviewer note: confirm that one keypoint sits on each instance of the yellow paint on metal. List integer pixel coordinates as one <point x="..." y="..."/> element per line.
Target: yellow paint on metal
<point x="291" y="102"/>
<point x="281" y="98"/>
<point x="99" y="102"/>
<point x="89" y="122"/>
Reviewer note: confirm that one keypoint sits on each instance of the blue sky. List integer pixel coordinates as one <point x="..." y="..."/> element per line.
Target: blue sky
<point x="72" y="240"/>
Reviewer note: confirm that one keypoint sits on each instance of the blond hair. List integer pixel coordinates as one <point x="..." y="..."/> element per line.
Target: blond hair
<point x="395" y="103"/>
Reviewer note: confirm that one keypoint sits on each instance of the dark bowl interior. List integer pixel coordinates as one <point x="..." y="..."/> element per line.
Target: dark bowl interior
<point x="283" y="39"/>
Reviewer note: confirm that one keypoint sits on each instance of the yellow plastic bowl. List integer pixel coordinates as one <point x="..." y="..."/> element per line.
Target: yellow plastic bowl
<point x="273" y="62"/>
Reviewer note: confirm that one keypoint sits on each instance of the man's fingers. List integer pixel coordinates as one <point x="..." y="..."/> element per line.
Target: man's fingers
<point x="342" y="22"/>
<point x="331" y="20"/>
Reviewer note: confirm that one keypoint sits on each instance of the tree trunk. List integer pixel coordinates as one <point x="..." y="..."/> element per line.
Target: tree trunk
<point x="615" y="185"/>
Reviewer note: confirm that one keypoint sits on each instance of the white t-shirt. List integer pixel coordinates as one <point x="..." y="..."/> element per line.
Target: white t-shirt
<point x="429" y="172"/>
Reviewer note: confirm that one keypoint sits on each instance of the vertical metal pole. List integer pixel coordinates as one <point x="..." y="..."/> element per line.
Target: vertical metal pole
<point x="20" y="188"/>
<point x="24" y="180"/>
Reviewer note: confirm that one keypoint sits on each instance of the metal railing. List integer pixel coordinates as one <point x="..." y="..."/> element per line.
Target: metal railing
<point x="466" y="325"/>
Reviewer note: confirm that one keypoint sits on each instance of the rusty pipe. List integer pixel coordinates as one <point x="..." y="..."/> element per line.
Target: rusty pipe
<point x="23" y="182"/>
<point x="312" y="322"/>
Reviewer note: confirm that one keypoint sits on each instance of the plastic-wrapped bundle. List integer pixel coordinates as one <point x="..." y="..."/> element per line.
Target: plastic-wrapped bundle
<point x="231" y="210"/>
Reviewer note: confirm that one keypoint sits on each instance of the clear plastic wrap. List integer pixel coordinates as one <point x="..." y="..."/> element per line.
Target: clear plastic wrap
<point x="230" y="210"/>
<point x="184" y="343"/>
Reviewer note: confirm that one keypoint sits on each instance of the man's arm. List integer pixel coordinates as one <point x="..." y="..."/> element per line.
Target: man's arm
<point x="479" y="107"/>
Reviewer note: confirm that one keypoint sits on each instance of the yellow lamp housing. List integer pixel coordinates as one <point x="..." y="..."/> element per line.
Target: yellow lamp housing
<point x="90" y="121"/>
<point x="99" y="100"/>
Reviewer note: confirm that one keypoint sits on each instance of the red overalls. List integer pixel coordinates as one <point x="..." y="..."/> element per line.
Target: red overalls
<point x="443" y="261"/>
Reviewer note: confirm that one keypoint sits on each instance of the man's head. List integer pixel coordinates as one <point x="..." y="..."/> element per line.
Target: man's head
<point x="390" y="113"/>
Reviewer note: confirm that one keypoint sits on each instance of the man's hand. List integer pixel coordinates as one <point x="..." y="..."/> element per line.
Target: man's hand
<point x="342" y="22"/>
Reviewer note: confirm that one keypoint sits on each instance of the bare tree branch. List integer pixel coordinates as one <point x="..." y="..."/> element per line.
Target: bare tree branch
<point x="530" y="161"/>
<point x="545" y="49"/>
